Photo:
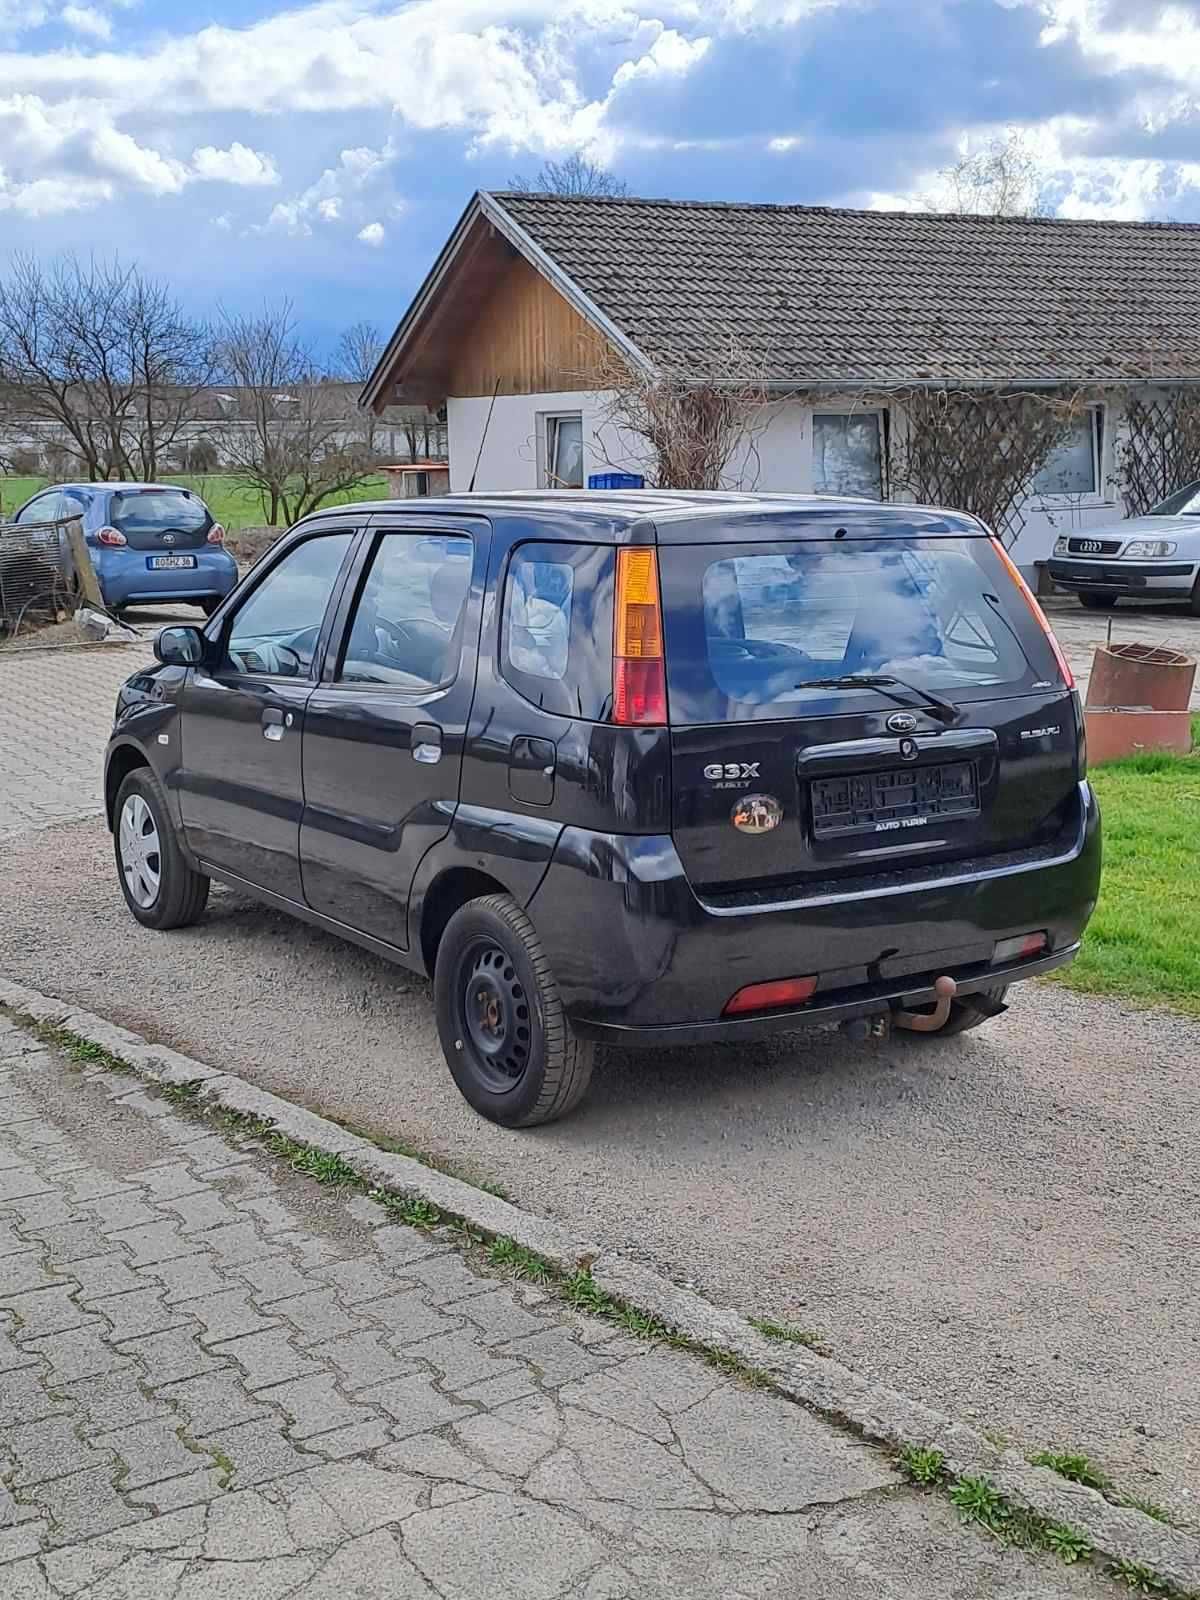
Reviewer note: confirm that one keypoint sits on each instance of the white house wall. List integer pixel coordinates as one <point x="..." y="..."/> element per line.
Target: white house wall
<point x="776" y="457"/>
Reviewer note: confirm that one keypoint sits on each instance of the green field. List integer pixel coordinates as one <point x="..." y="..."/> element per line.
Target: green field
<point x="231" y="501"/>
<point x="1143" y="943"/>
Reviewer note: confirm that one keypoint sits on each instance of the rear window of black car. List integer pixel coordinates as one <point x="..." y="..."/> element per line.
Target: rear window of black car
<point x="760" y="630"/>
<point x="556" y="632"/>
<point x="158" y="510"/>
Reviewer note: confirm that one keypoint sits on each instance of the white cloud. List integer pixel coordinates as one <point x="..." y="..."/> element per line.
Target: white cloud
<point x="373" y="234"/>
<point x="86" y="19"/>
<point x="239" y="165"/>
<point x="119" y="155"/>
<point x="351" y="185"/>
<point x="329" y="210"/>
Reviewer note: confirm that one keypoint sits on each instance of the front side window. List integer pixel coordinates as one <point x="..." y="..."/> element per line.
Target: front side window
<point x="564" y="451"/>
<point x="1073" y="467"/>
<point x="847" y="454"/>
<point x="406" y="630"/>
<point x="277" y="629"/>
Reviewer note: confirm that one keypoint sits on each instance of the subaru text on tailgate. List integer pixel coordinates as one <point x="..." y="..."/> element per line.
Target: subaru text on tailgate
<point x="640" y="767"/>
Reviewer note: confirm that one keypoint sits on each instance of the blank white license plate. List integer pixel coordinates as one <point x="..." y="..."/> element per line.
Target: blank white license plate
<point x="158" y="562"/>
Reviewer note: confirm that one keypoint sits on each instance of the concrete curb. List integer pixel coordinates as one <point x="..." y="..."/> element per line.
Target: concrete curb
<point x="871" y="1410"/>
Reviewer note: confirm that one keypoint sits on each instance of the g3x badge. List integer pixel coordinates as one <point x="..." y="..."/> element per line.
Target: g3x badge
<point x="731" y="774"/>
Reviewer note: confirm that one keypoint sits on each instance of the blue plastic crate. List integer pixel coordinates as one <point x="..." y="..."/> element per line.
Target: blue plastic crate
<point x="616" y="480"/>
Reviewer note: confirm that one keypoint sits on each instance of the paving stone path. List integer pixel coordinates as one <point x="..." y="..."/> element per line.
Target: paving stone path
<point x="219" y="1380"/>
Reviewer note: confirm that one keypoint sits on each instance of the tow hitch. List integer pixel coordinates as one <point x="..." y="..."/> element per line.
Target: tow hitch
<point x="930" y="1021"/>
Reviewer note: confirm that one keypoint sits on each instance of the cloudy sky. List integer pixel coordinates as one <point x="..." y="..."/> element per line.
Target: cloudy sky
<point x="243" y="149"/>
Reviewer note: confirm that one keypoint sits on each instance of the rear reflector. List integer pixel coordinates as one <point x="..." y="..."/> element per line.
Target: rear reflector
<point x="1027" y="594"/>
<point x="1021" y="948"/>
<point x="639" y="671"/>
<point x="770" y="996"/>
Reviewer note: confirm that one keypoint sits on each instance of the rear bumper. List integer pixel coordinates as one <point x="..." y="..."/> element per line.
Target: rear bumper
<point x="641" y="960"/>
<point x="1166" y="579"/>
<point x="125" y="578"/>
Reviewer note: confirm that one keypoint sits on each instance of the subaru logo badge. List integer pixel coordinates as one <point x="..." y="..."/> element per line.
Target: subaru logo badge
<point x="902" y="722"/>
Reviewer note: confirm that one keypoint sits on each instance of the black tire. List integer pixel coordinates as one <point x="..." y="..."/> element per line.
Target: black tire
<point x="209" y="605"/>
<point x="972" y="1011"/>
<point x="506" y="1040"/>
<point x="1094" y="600"/>
<point x="181" y="893"/>
<point x="1195" y="602"/>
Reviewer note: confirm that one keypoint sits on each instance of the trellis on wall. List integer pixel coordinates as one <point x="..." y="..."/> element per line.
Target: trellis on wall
<point x="1160" y="449"/>
<point x="977" y="450"/>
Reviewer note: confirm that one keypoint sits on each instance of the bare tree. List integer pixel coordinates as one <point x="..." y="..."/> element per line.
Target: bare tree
<point x="575" y="175"/>
<point x="291" y="437"/>
<point x="105" y="358"/>
<point x="358" y="352"/>
<point x="999" y="178"/>
<point x="689" y="423"/>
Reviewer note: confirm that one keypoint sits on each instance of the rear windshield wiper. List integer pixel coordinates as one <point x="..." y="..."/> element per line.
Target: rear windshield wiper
<point x="944" y="710"/>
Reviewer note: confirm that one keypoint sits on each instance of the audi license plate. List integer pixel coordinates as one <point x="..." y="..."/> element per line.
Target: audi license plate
<point x="159" y="562"/>
<point x="890" y="802"/>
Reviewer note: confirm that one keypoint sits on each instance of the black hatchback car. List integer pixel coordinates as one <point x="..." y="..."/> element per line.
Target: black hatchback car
<point x="639" y="767"/>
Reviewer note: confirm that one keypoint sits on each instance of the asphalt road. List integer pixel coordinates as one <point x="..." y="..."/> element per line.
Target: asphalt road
<point x="1003" y="1225"/>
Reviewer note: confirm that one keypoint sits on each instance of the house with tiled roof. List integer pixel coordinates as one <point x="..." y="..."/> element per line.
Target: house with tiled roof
<point x="844" y="316"/>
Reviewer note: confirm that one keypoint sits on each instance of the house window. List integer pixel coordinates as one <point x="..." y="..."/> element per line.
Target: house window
<point x="563" y="444"/>
<point x="1074" y="466"/>
<point x="848" y="453"/>
<point x="421" y="484"/>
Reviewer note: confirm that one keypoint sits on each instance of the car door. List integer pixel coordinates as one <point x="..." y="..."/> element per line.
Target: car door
<point x="384" y="731"/>
<point x="242" y="716"/>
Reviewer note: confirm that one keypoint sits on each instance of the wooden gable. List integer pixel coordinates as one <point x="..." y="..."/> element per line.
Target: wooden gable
<point x="526" y="337"/>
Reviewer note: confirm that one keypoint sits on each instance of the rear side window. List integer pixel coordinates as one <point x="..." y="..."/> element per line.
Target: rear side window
<point x="155" y="510"/>
<point x="407" y="627"/>
<point x="773" y="624"/>
<point x="556" y="632"/>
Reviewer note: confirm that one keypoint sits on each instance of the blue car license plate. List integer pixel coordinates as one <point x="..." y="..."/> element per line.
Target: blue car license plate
<point x="156" y="563"/>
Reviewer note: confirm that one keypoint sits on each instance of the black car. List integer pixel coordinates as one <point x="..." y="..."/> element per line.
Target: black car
<point x="639" y="767"/>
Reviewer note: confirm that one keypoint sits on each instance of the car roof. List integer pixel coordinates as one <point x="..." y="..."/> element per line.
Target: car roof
<point x="674" y="514"/>
<point x="109" y="484"/>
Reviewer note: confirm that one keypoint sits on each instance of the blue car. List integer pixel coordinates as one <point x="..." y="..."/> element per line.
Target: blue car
<point x="151" y="544"/>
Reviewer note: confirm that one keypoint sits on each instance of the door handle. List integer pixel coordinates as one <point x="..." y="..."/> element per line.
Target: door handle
<point x="275" y="723"/>
<point x="427" y="744"/>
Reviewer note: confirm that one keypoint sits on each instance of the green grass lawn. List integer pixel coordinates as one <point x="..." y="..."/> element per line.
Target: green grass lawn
<point x="228" y="497"/>
<point x="1143" y="944"/>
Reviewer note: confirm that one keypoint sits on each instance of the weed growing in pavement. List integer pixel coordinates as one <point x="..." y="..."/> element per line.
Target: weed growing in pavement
<point x="921" y="1465"/>
<point x="1068" y="1544"/>
<point x="978" y="1500"/>
<point x="1150" y="1508"/>
<point x="1075" y="1467"/>
<point x="184" y="1096"/>
<point x="520" y="1262"/>
<point x="403" y="1208"/>
<point x="1137" y="1577"/>
<point x="78" y="1050"/>
<point x="789" y="1333"/>
<point x="402" y="1147"/>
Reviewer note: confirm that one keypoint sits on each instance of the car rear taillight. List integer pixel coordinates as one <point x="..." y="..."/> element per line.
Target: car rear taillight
<point x="770" y="996"/>
<point x="1030" y="599"/>
<point x="216" y="534"/>
<point x="639" y="669"/>
<point x="110" y="536"/>
<point x="1021" y="948"/>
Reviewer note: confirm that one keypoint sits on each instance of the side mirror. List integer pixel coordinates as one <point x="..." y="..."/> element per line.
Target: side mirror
<point x="180" y="647"/>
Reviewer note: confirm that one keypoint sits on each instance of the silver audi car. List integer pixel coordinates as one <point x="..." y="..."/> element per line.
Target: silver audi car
<point x="1152" y="557"/>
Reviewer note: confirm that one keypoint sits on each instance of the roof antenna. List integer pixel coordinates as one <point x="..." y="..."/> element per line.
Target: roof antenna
<point x="483" y="438"/>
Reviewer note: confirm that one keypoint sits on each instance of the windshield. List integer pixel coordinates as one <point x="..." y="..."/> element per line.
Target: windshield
<point x="1183" y="503"/>
<point x="153" y="510"/>
<point x="780" y="628"/>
